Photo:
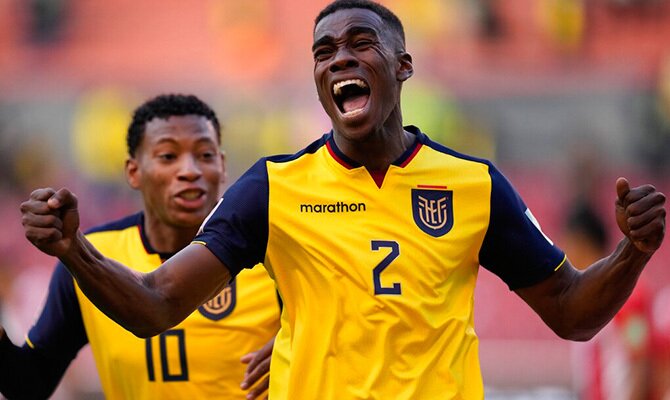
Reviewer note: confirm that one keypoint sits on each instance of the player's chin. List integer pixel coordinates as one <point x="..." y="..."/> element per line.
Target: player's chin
<point x="189" y="219"/>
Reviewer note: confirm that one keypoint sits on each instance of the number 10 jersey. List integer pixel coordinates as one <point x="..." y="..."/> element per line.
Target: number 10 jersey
<point x="197" y="359"/>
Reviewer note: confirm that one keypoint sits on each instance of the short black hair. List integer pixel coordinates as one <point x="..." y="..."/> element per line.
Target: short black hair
<point x="164" y="106"/>
<point x="386" y="15"/>
<point x="585" y="219"/>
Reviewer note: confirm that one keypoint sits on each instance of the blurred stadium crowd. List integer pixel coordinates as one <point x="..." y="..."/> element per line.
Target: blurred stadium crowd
<point x="564" y="95"/>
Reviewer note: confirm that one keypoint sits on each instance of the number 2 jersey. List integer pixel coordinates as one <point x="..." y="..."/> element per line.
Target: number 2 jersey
<point x="378" y="282"/>
<point x="197" y="359"/>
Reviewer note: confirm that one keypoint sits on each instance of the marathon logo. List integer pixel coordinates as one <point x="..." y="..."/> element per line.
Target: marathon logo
<point x="333" y="208"/>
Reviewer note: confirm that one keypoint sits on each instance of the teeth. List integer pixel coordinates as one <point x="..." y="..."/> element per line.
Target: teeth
<point x="190" y="195"/>
<point x="337" y="88"/>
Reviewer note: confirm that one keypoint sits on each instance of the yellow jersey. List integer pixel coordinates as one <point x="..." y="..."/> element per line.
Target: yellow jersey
<point x="197" y="359"/>
<point x="377" y="280"/>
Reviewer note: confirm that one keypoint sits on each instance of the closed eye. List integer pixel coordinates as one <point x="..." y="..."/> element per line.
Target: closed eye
<point x="359" y="44"/>
<point x="322" y="53"/>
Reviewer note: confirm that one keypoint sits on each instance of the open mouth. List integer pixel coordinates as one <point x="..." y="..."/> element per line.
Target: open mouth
<point x="351" y="96"/>
<point x="192" y="194"/>
<point x="191" y="200"/>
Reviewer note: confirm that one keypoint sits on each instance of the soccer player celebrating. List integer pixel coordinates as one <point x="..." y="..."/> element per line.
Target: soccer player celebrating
<point x="374" y="235"/>
<point x="176" y="163"/>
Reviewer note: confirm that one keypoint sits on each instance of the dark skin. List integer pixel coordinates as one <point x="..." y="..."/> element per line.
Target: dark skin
<point x="348" y="44"/>
<point x="177" y="159"/>
<point x="179" y="168"/>
<point x="257" y="369"/>
<point x="352" y="44"/>
<point x="355" y="44"/>
<point x="578" y="304"/>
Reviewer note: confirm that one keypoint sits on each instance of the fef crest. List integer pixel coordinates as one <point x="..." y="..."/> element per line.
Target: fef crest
<point x="433" y="210"/>
<point x="221" y="305"/>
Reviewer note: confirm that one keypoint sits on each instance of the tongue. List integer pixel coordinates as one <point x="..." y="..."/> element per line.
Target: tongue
<point x="355" y="102"/>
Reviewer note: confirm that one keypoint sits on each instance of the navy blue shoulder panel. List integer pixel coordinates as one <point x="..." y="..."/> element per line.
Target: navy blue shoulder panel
<point x="133" y="220"/>
<point x="310" y="149"/>
<point x="118" y="225"/>
<point x="514" y="247"/>
<point x="59" y="331"/>
<point x="237" y="230"/>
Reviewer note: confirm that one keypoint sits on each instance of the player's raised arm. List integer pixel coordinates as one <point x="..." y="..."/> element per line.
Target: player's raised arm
<point x="640" y="215"/>
<point x="145" y="304"/>
<point x="577" y="304"/>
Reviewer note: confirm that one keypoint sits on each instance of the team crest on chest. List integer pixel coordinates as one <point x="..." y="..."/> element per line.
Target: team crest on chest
<point x="221" y="305"/>
<point x="433" y="210"/>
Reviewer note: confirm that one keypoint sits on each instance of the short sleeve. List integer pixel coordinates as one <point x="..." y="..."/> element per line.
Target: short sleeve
<point x="237" y="229"/>
<point x="59" y="331"/>
<point x="515" y="248"/>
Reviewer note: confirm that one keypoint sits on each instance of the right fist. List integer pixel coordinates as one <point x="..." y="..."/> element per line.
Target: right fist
<point x="50" y="220"/>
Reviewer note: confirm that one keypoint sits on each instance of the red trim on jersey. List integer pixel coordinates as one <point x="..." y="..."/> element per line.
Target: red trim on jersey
<point x="431" y="187"/>
<point x="411" y="156"/>
<point x="337" y="158"/>
<point x="377" y="176"/>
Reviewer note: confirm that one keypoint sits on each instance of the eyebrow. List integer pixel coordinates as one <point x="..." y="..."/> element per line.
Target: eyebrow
<point x="353" y="31"/>
<point x="169" y="138"/>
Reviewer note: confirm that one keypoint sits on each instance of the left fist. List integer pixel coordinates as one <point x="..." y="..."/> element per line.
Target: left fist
<point x="640" y="214"/>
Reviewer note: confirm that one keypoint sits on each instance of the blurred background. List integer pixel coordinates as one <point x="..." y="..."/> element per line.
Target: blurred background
<point x="563" y="95"/>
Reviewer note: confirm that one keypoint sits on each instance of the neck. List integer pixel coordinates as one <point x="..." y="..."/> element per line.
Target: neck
<point x="164" y="238"/>
<point x="376" y="150"/>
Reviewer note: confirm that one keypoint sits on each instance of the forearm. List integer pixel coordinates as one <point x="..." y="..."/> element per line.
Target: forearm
<point x="599" y="292"/>
<point x="126" y="296"/>
<point x="24" y="374"/>
<point x="578" y="304"/>
<point x="147" y="304"/>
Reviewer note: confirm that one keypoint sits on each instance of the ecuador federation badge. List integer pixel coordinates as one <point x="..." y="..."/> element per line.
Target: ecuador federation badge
<point x="433" y="210"/>
<point x="220" y="305"/>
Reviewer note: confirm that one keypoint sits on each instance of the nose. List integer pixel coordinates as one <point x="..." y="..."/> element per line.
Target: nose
<point x="343" y="59"/>
<point x="189" y="169"/>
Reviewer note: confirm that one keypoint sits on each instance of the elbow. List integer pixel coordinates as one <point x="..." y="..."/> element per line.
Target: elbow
<point x="148" y="325"/>
<point x="142" y="326"/>
<point x="575" y="336"/>
<point x="574" y="331"/>
<point x="146" y="332"/>
<point x="149" y="328"/>
<point x="156" y="323"/>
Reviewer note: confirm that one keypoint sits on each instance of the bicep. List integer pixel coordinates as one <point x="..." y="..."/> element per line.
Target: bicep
<point x="190" y="278"/>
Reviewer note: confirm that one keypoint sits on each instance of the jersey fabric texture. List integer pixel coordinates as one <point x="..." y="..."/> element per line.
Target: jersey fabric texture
<point x="197" y="359"/>
<point x="378" y="281"/>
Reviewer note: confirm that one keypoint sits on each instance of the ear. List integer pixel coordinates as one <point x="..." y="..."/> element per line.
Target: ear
<point x="132" y="173"/>
<point x="405" y="69"/>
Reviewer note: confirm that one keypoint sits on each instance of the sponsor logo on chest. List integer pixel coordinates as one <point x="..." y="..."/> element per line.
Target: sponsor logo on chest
<point x="432" y="208"/>
<point x="333" y="208"/>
